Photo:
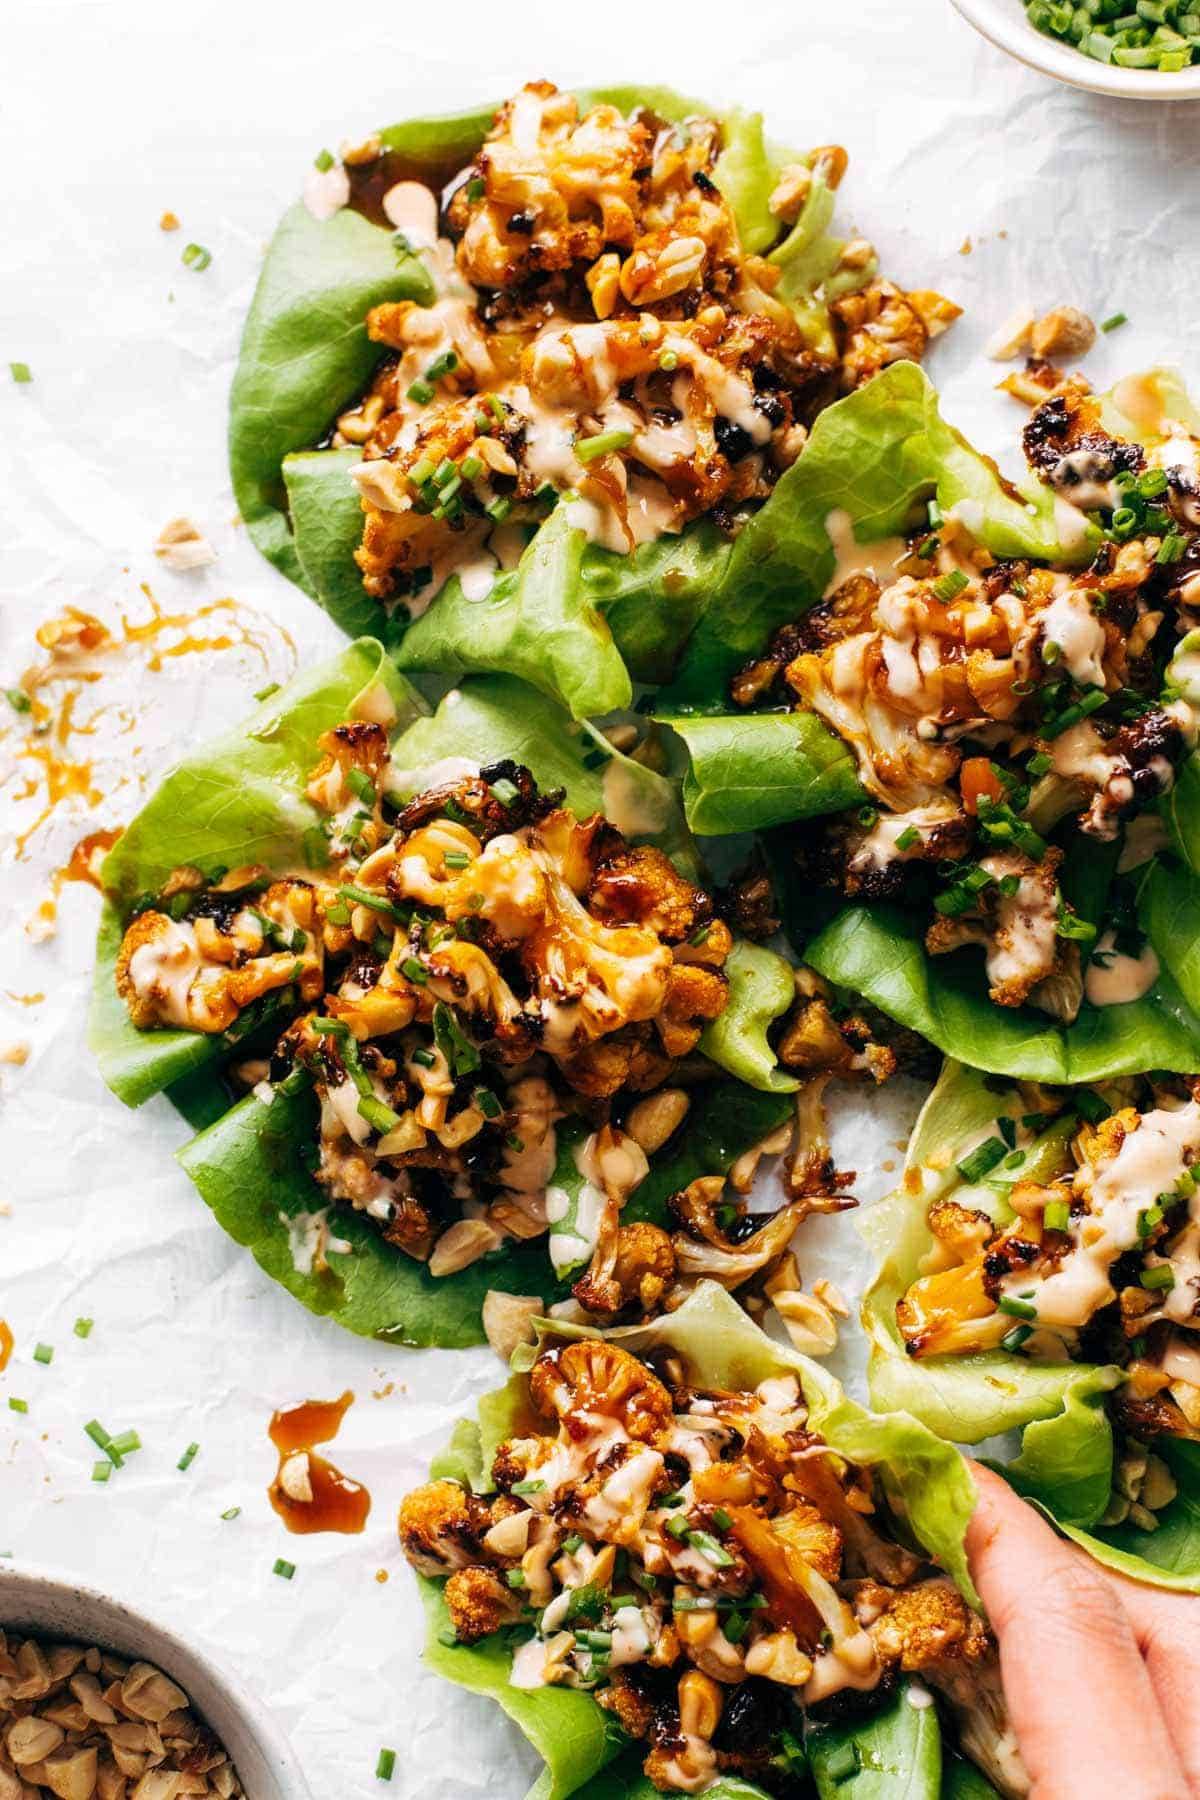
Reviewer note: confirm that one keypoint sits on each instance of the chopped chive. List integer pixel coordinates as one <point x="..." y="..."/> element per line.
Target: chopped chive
<point x="283" y="1568"/>
<point x="378" y="1114"/>
<point x="934" y="514"/>
<point x="421" y="471"/>
<point x="595" y="1640"/>
<point x="420" y="392"/>
<point x="1013" y="1340"/>
<point x="1114" y="321"/>
<point x="361" y="896"/>
<point x="672" y="1500"/>
<point x="1159" y="1279"/>
<point x="572" y="1544"/>
<point x="1171" y="548"/>
<point x="471" y="467"/>
<point x="445" y="364"/>
<point x="1057" y="1216"/>
<point x="678" y="1527"/>
<point x="487" y="1103"/>
<point x="83" y="1327"/>
<point x="101" y="1471"/>
<point x="1016" y="1308"/>
<point x="18" y="1406"/>
<point x="528" y="1487"/>
<point x="982" y="1160"/>
<point x="20" y="372"/>
<point x="710" y="1549"/>
<point x="264" y="693"/>
<point x="947" y="587"/>
<point x="324" y="159"/>
<point x="231" y="1512"/>
<point x="1089" y="1105"/>
<point x="514" y="1142"/>
<point x="1039" y="764"/>
<point x="44" y="1353"/>
<point x="189" y="1456"/>
<point x="515" y="1578"/>
<point x="505" y="791"/>
<point x="721" y="1519"/>
<point x="1147" y="1219"/>
<point x="386" y="1765"/>
<point x="424" y="1059"/>
<point x="842" y="1762"/>
<point x="125" y="1443"/>
<point x="97" y="1433"/>
<point x="361" y="786"/>
<point x="476" y="188"/>
<point x="736" y="1626"/>
<point x="499" y="508"/>
<point x="908" y="838"/>
<point x="456" y="859"/>
<point x="18" y="699"/>
<point x="415" y="971"/>
<point x="497" y="407"/>
<point x="588" y="449"/>
<point x="196" y="257"/>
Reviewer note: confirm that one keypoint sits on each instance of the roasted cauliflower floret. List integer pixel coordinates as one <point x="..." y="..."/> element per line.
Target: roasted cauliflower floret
<point x="440" y="1527"/>
<point x="598" y="1377"/>
<point x="479" y="1602"/>
<point x="1018" y="929"/>
<point x="642" y="887"/>
<point x="804" y="1530"/>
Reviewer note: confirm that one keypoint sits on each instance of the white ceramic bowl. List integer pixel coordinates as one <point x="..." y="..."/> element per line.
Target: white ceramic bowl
<point x="49" y="1603"/>
<point x="1004" y="23"/>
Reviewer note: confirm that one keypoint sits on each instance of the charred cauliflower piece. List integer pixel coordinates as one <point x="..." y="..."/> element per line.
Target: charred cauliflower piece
<point x="599" y="1377"/>
<point x="479" y="1602"/>
<point x="440" y="1527"/>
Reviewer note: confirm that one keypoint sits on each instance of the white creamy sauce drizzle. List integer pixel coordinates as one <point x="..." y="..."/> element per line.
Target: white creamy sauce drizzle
<point x="477" y="577"/>
<point x="165" y="969"/>
<point x="1116" y="979"/>
<point x="1070" y="623"/>
<point x="852" y="558"/>
<point x="411" y="207"/>
<point x="307" y="1232"/>
<point x="1025" y="938"/>
<point x="1149" y="1163"/>
<point x="326" y="191"/>
<point x="637" y="804"/>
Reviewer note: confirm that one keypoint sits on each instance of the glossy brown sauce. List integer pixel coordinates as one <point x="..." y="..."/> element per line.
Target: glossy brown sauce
<point x="6" y="1343"/>
<point x="338" y="1502"/>
<point x="369" y="182"/>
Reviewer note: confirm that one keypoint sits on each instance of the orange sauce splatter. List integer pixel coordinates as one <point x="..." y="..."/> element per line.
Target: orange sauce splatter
<point x="24" y="999"/>
<point x="6" y="1343"/>
<point x="338" y="1503"/>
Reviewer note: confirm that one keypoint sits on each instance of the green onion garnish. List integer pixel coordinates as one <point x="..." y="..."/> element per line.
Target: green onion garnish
<point x="487" y="1103"/>
<point x="572" y="1544"/>
<point x="1016" y="1308"/>
<point x="1114" y="321"/>
<point x="721" y="1519"/>
<point x="528" y="1487"/>
<point x="18" y="1406"/>
<point x="1147" y="1219"/>
<point x="378" y="1115"/>
<point x="20" y="372"/>
<point x="1057" y="1216"/>
<point x="231" y="1512"/>
<point x="515" y="1578"/>
<point x="842" y="1762"/>
<point x="1013" y="1340"/>
<point x="361" y="786"/>
<point x="1159" y="1279"/>
<point x="1039" y="764"/>
<point x="420" y="392"/>
<point x="97" y="1433"/>
<point x="588" y="449"/>
<point x="476" y="188"/>
<point x="908" y="838"/>
<point x="101" y="1471"/>
<point x="83" y="1327"/>
<point x="385" y="1767"/>
<point x="948" y="587"/>
<point x="324" y="159"/>
<point x="44" y="1353"/>
<point x="471" y="467"/>
<point x="283" y="1568"/>
<point x="189" y="1456"/>
<point x="125" y="1443"/>
<point x="499" y="508"/>
<point x="505" y="791"/>
<point x="710" y="1549"/>
<point x="196" y="257"/>
<point x="445" y="364"/>
<point x="264" y="693"/>
<point x="982" y="1160"/>
<point x="678" y="1527"/>
<point x="18" y="699"/>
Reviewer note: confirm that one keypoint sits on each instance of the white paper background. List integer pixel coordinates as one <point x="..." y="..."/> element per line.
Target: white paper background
<point x="113" y="114"/>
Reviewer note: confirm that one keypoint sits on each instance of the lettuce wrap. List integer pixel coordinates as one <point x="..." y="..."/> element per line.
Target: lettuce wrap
<point x="306" y="356"/>
<point x="242" y="802"/>
<point x="1069" y="1455"/>
<point x="586" y="1751"/>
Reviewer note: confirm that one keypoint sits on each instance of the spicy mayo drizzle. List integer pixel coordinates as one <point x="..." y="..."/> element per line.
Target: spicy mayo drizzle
<point x="338" y="1502"/>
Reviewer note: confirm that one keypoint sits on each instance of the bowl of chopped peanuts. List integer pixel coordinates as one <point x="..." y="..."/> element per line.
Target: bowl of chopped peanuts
<point x="1100" y="46"/>
<point x="100" y="1702"/>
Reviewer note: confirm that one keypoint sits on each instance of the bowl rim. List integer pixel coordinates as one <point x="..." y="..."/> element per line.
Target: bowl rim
<point x="1003" y="23"/>
<point x="34" y="1580"/>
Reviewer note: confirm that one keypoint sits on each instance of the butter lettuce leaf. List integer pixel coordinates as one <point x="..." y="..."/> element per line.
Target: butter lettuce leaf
<point x="749" y="771"/>
<point x="537" y="623"/>
<point x="879" y="953"/>
<point x="584" y="1752"/>
<point x="1065" y="1460"/>
<point x="240" y="800"/>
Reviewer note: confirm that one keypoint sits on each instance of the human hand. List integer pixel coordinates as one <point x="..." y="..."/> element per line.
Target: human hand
<point x="1101" y="1673"/>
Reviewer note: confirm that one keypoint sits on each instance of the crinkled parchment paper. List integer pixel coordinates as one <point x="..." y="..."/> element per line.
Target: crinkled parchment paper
<point x="972" y="175"/>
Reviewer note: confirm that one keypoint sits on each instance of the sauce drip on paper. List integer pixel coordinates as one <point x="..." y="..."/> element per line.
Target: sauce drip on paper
<point x="6" y="1343"/>
<point x="338" y="1502"/>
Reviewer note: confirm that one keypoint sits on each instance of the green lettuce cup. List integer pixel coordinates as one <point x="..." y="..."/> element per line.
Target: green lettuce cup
<point x="403" y="443"/>
<point x="217" y="878"/>
<point x="515" y="1560"/>
<point x="1113" y="1474"/>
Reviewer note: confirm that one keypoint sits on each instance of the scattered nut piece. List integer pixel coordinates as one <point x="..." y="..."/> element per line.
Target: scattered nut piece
<point x="508" y="1319"/>
<point x="831" y="1296"/>
<point x="654" y="1119"/>
<point x="182" y="546"/>
<point x="295" y="1478"/>
<point x="463" y="1244"/>
<point x="369" y="151"/>
<point x="1064" y="331"/>
<point x="14" y="1053"/>
<point x="1012" y="338"/>
<point x="790" y="192"/>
